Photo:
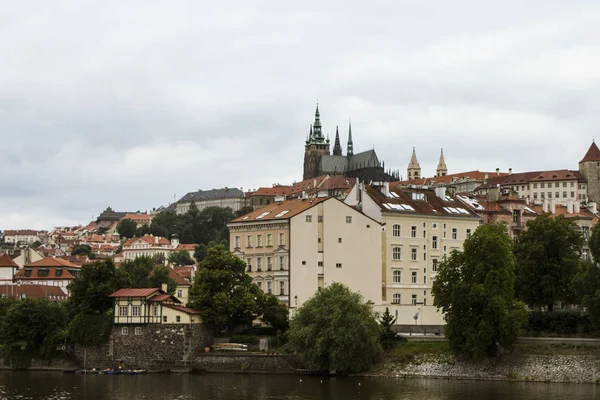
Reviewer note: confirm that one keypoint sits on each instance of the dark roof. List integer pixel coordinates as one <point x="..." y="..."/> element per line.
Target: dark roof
<point x="425" y="201"/>
<point x="524" y="178"/>
<point x="200" y="195"/>
<point x="333" y="164"/>
<point x="365" y="159"/>
<point x="593" y="154"/>
<point x="52" y="262"/>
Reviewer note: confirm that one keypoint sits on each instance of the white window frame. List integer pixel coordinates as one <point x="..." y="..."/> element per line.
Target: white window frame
<point x="123" y="311"/>
<point x="396" y="298"/>
<point x="413" y="254"/>
<point x="137" y="331"/>
<point x="396" y="230"/>
<point x="124" y="331"/>
<point x="414" y="277"/>
<point x="396" y="253"/>
<point x="397" y="276"/>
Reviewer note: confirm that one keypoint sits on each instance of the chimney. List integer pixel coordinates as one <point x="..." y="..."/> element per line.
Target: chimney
<point x="576" y="207"/>
<point x="593" y="207"/>
<point x="494" y="193"/>
<point x="552" y="206"/>
<point x="497" y="171"/>
<point x="510" y="171"/>
<point x="155" y="239"/>
<point x="440" y="192"/>
<point x="545" y="206"/>
<point x="569" y="206"/>
<point x="164" y="287"/>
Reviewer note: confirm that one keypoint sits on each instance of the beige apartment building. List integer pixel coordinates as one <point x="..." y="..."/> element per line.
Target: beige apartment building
<point x="295" y="247"/>
<point x="421" y="228"/>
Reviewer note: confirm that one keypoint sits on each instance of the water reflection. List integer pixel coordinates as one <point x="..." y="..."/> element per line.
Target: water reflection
<point x="54" y="385"/>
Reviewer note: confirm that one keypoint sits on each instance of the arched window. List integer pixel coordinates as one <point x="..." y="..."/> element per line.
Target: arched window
<point x="396" y="298"/>
<point x="397" y="276"/>
<point x="396" y="230"/>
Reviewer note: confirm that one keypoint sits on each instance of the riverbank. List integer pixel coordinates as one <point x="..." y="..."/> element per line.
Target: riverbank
<point x="532" y="363"/>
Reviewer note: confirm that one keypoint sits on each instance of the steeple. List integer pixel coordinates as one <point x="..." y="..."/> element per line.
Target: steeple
<point x="337" y="148"/>
<point x="350" y="150"/>
<point x="414" y="169"/>
<point x="317" y="134"/>
<point x="441" y="167"/>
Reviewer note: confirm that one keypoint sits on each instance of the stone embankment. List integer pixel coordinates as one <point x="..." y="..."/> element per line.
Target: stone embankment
<point x="522" y="367"/>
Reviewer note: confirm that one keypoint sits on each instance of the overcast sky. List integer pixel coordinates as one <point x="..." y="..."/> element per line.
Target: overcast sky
<point x="131" y="104"/>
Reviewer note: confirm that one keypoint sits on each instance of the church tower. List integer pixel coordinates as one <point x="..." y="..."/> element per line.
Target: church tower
<point x="589" y="167"/>
<point x="315" y="146"/>
<point x="414" y="169"/>
<point x="350" y="150"/>
<point x="441" y="167"/>
<point x="337" y="148"/>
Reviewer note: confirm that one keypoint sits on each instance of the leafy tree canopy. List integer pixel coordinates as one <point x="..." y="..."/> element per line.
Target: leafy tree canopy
<point x="274" y="312"/>
<point x="223" y="292"/>
<point x="587" y="286"/>
<point x="594" y="242"/>
<point x="127" y="228"/>
<point x="547" y="260"/>
<point x="82" y="249"/>
<point x="90" y="291"/>
<point x="475" y="290"/>
<point x="181" y="257"/>
<point x="335" y="330"/>
<point x="147" y="272"/>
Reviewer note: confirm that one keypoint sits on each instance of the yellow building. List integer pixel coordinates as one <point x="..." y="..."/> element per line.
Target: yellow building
<point x="151" y="306"/>
<point x="295" y="247"/>
<point x="422" y="227"/>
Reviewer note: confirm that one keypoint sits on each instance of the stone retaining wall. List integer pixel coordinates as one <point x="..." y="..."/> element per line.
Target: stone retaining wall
<point x="542" y="368"/>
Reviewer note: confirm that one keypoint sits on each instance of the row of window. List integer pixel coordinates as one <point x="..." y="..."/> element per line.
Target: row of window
<point x="259" y="240"/>
<point x="269" y="288"/>
<point x="397" y="299"/>
<point x="414" y="275"/>
<point x="556" y="184"/>
<point x="397" y="251"/>
<point x="397" y="231"/>
<point x="259" y="263"/>
<point x="557" y="195"/>
<point x="320" y="218"/>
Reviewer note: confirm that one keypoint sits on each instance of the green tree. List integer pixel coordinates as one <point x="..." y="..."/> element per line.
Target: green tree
<point x="142" y="230"/>
<point x="127" y="228"/>
<point x="594" y="243"/>
<point x="388" y="336"/>
<point x="335" y="330"/>
<point x="201" y="251"/>
<point x="475" y="290"/>
<point x="547" y="261"/>
<point x="90" y="290"/>
<point x="33" y="326"/>
<point x="36" y="244"/>
<point x="274" y="312"/>
<point x="243" y="211"/>
<point x="223" y="292"/>
<point x="160" y="276"/>
<point x="82" y="249"/>
<point x="587" y="286"/>
<point x="181" y="257"/>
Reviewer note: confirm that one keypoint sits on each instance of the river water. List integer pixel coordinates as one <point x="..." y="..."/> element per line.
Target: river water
<point x="55" y="385"/>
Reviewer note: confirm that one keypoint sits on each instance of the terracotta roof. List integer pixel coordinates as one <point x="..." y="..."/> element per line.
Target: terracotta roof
<point x="137" y="217"/>
<point x="429" y="203"/>
<point x="593" y="154"/>
<point x="185" y="272"/>
<point x="473" y="175"/>
<point x="51" y="293"/>
<point x="178" y="278"/>
<point x="35" y="274"/>
<point x="280" y="211"/>
<point x="52" y="262"/>
<point x="150" y="239"/>
<point x="129" y="292"/>
<point x="323" y="182"/>
<point x="563" y="210"/>
<point x="160" y="297"/>
<point x="272" y="191"/>
<point x="188" y="247"/>
<point x="21" y="232"/>
<point x="7" y="262"/>
<point x="182" y="309"/>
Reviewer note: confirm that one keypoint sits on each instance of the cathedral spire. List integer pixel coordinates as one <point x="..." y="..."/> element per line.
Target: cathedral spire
<point x="317" y="133"/>
<point x="414" y="169"/>
<point x="441" y="167"/>
<point x="337" y="147"/>
<point x="350" y="151"/>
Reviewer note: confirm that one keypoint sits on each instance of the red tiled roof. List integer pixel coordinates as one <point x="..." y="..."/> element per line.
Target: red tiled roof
<point x="474" y="175"/>
<point x="150" y="239"/>
<point x="52" y="262"/>
<point x="51" y="293"/>
<point x="7" y="262"/>
<point x="185" y="272"/>
<point x="21" y="232"/>
<point x="35" y="274"/>
<point x="274" y="211"/>
<point x="160" y="297"/>
<point x="323" y="182"/>
<point x="178" y="278"/>
<point x="188" y="247"/>
<point x="272" y="191"/>
<point x="524" y="178"/>
<point x="129" y="292"/>
<point x="593" y="154"/>
<point x="182" y="309"/>
<point x="137" y="217"/>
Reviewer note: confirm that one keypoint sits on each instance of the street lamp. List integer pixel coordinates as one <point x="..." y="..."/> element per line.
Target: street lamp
<point x="296" y="301"/>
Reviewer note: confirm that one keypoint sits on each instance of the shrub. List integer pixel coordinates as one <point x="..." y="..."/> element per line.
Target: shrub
<point x="559" y="322"/>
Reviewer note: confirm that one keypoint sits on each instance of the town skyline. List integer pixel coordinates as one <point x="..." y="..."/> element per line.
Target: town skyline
<point x="133" y="116"/>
